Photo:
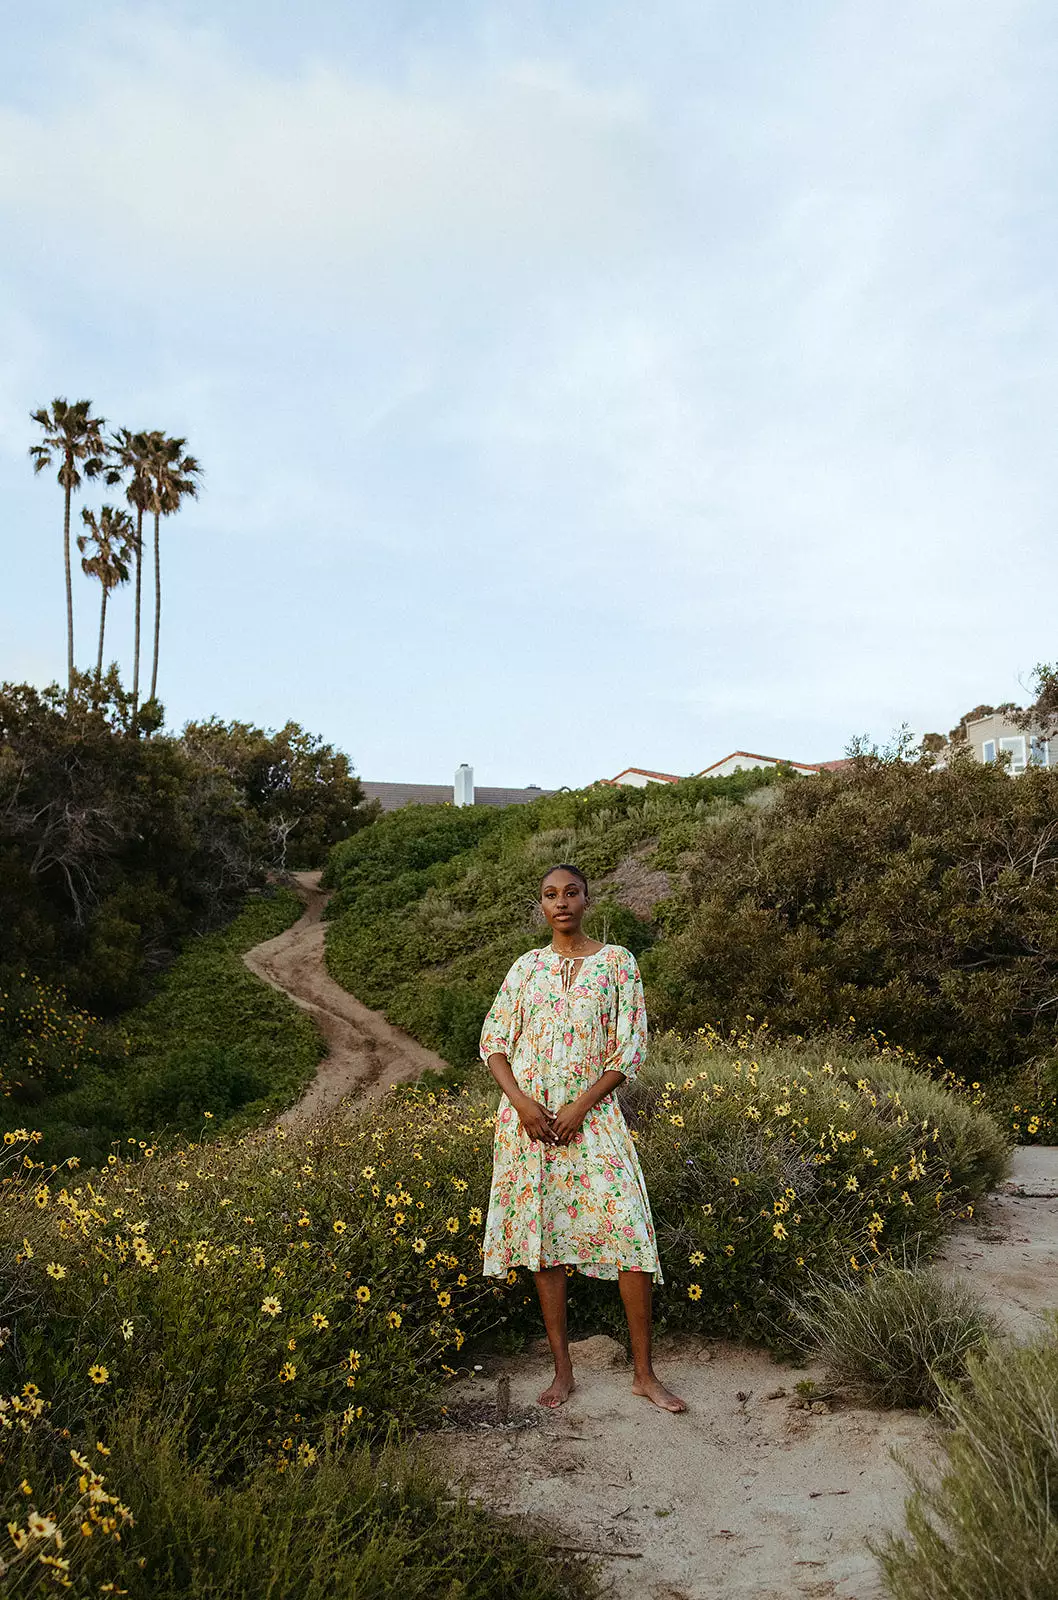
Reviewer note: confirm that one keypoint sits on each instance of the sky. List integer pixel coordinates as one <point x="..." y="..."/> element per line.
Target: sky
<point x="576" y="386"/>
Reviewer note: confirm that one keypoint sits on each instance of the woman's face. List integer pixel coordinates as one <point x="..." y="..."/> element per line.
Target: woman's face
<point x="563" y="900"/>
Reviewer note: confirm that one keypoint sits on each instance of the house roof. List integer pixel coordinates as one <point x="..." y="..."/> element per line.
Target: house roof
<point x="394" y="795"/>
<point x="751" y="755"/>
<point x="836" y="766"/>
<point x="645" y="772"/>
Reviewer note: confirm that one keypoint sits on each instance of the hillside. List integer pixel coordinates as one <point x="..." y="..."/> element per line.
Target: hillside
<point x="889" y="901"/>
<point x="433" y="903"/>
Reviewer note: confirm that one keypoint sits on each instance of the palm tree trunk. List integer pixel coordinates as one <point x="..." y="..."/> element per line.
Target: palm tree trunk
<point x="136" y="644"/>
<point x="69" y="601"/>
<point x="102" y="626"/>
<point x="157" y="600"/>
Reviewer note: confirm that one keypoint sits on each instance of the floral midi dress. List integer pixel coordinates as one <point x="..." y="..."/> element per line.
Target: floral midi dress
<point x="583" y="1203"/>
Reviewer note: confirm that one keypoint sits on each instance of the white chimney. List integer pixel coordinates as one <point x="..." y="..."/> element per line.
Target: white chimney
<point x="464" y="785"/>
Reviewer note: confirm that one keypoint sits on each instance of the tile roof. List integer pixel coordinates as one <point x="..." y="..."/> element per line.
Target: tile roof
<point x="751" y="755"/>
<point x="645" y="772"/>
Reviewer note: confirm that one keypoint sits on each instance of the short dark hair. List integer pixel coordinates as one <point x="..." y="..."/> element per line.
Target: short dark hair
<point x="564" y="866"/>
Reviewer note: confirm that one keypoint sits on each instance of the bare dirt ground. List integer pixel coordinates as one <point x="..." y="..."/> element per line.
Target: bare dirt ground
<point x="747" y="1496"/>
<point x="366" y="1055"/>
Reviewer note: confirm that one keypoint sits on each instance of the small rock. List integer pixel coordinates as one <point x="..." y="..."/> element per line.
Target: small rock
<point x="776" y="1394"/>
<point x="598" y="1353"/>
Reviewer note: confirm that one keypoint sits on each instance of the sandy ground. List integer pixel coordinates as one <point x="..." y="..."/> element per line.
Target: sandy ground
<point x="748" y="1496"/>
<point x="743" y="1497"/>
<point x="1009" y="1253"/>
<point x="366" y="1055"/>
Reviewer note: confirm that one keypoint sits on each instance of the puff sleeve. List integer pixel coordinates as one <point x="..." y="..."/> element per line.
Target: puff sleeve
<point x="499" y="1033"/>
<point x="627" y="1033"/>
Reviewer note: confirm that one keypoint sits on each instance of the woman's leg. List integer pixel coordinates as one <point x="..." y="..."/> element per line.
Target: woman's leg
<point x="551" y="1287"/>
<point x="637" y="1295"/>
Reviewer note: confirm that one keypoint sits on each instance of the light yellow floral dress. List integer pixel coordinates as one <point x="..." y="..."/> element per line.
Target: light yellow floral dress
<point x="583" y="1203"/>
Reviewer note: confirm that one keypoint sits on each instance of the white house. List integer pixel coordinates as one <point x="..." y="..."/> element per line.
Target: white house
<point x="742" y="760"/>
<point x="639" y="777"/>
<point x="994" y="734"/>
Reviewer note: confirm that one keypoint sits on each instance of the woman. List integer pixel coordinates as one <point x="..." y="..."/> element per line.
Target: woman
<point x="566" y="1029"/>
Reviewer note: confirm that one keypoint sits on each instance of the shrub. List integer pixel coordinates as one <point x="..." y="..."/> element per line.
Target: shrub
<point x="215" y="1045"/>
<point x="985" y="1525"/>
<point x="922" y="904"/>
<point x="349" y="1523"/>
<point x="899" y="1336"/>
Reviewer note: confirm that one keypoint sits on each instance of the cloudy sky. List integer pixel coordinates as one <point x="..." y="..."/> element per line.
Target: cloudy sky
<point x="577" y="385"/>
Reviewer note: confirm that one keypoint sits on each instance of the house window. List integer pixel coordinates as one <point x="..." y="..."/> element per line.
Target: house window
<point x="1016" y="745"/>
<point x="988" y="750"/>
<point x="1039" y="752"/>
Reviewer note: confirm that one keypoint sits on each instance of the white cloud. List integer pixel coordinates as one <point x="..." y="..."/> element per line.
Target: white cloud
<point x="176" y="156"/>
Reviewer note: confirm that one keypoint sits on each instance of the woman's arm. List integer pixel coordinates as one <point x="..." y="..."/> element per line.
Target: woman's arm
<point x="568" y="1121"/>
<point x="534" y="1118"/>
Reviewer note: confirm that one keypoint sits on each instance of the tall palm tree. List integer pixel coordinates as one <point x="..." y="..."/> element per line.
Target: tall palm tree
<point x="71" y="435"/>
<point x="131" y="451"/>
<point x="172" y="475"/>
<point x="110" y="539"/>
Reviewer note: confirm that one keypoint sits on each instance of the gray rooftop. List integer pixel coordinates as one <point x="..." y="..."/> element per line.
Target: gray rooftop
<point x="394" y="795"/>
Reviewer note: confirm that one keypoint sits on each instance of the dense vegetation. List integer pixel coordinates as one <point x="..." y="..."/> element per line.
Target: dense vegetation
<point x="222" y="1319"/>
<point x="214" y="1048"/>
<point x="433" y="903"/>
<point x="116" y="846"/>
<point x="913" y="905"/>
<point x="984" y="1526"/>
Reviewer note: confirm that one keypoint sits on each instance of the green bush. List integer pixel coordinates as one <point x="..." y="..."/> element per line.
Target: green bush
<point x="898" y="1337"/>
<point x="923" y="904"/>
<point x="116" y="847"/>
<point x="214" y="1047"/>
<point x="985" y="1525"/>
<point x="354" y="1524"/>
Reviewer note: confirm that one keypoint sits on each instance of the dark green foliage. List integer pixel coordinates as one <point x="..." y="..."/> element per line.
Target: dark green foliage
<point x="115" y="846"/>
<point x="433" y="903"/>
<point x="214" y="1049"/>
<point x="922" y="904"/>
<point x="986" y="1526"/>
<point x="303" y="790"/>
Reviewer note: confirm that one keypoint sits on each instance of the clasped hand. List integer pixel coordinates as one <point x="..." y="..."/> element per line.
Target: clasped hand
<point x="551" y="1127"/>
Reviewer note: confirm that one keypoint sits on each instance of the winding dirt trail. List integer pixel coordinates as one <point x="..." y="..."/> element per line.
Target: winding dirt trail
<point x="366" y="1055"/>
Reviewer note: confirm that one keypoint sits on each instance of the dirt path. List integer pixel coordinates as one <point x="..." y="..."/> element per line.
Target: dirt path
<point x="366" y="1055"/>
<point x="747" y="1496"/>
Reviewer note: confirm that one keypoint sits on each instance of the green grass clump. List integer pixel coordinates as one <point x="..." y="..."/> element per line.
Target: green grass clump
<point x="985" y="1525"/>
<point x="214" y="1047"/>
<point x="334" y="1525"/>
<point x="898" y="1337"/>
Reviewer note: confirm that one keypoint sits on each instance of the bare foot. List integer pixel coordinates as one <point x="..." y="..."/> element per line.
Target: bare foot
<point x="558" y="1392"/>
<point x="653" y="1389"/>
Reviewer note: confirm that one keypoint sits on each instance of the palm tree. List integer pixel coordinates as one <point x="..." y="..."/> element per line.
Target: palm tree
<point x="110" y="537"/>
<point x="172" y="476"/>
<point x="71" y="435"/>
<point x="131" y="451"/>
